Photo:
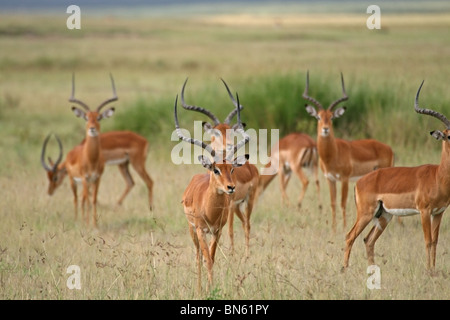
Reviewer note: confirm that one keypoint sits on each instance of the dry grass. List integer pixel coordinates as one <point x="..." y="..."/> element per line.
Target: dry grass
<point x="137" y="254"/>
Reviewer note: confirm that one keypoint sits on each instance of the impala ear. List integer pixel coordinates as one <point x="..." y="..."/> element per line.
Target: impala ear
<point x="438" y="135"/>
<point x="237" y="126"/>
<point x="79" y="113"/>
<point x="312" y="111"/>
<point x="106" y="114"/>
<point x="240" y="161"/>
<point x="338" y="112"/>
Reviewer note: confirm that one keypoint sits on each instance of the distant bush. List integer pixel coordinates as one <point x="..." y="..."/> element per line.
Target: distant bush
<point x="373" y="111"/>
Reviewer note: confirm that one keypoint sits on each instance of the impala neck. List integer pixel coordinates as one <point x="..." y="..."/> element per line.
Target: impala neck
<point x="444" y="166"/>
<point x="326" y="145"/>
<point x="92" y="148"/>
<point x="216" y="200"/>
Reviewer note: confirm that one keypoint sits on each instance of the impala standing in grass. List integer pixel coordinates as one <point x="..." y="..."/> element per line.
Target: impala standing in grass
<point x="119" y="148"/>
<point x="405" y="191"/>
<point x="247" y="175"/>
<point x="88" y="164"/>
<point x="343" y="160"/>
<point x="207" y="198"/>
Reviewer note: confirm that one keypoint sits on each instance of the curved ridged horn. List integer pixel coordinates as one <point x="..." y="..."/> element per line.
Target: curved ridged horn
<point x="236" y="104"/>
<point x="72" y="97"/>
<point x="307" y="97"/>
<point x="429" y="112"/>
<point x="190" y="140"/>
<point x="44" y="146"/>
<point x="114" y="98"/>
<point x="198" y="109"/>
<point x="344" y="97"/>
<point x="239" y="129"/>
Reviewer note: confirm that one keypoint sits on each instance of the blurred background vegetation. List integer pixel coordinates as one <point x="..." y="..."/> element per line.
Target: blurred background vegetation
<point x="262" y="53"/>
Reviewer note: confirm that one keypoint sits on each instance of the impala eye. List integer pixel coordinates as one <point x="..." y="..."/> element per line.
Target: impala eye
<point x="216" y="171"/>
<point x="232" y="169"/>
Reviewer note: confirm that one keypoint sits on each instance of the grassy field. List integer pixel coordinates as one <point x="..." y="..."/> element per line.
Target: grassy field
<point x="137" y="254"/>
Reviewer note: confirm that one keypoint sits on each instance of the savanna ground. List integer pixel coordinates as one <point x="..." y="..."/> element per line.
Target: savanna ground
<point x="138" y="254"/>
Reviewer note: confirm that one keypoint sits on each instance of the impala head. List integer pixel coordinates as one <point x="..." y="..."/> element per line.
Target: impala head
<point x="221" y="132"/>
<point x="439" y="135"/>
<point x="55" y="174"/>
<point x="92" y="117"/>
<point x="221" y="167"/>
<point x="324" y="116"/>
<point x="222" y="171"/>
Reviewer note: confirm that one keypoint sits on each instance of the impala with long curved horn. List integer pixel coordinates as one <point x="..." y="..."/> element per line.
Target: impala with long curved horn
<point x="247" y="175"/>
<point x="88" y="164"/>
<point x="120" y="148"/>
<point x="405" y="191"/>
<point x="207" y="198"/>
<point x="55" y="175"/>
<point x="343" y="160"/>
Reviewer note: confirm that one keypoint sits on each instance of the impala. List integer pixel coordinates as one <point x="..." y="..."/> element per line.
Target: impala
<point x="404" y="191"/>
<point x="247" y="175"/>
<point x="343" y="160"/>
<point x="88" y="164"/>
<point x="206" y="200"/>
<point x="296" y="152"/>
<point x="119" y="148"/>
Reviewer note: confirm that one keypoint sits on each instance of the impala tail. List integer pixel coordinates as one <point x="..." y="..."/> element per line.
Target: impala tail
<point x="309" y="157"/>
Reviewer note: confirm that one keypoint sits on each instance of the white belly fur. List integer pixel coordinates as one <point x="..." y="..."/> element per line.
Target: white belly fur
<point x="77" y="180"/>
<point x="411" y="211"/>
<point x="337" y="177"/>
<point x="116" y="161"/>
<point x="402" y="212"/>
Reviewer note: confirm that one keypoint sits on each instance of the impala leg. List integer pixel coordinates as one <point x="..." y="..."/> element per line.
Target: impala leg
<point x="213" y="245"/>
<point x="201" y="235"/>
<point x="198" y="255"/>
<point x="94" y="201"/>
<point x="140" y="169"/>
<point x="284" y="180"/>
<point x="84" y="199"/>
<point x="248" y="212"/>
<point x="304" y="180"/>
<point x="373" y="236"/>
<point x="344" y="194"/>
<point x="316" y="180"/>
<point x="426" y="227"/>
<point x="243" y="211"/>
<point x="123" y="168"/>
<point x="212" y="250"/>
<point x="435" y="224"/>
<point x="369" y="234"/>
<point x="73" y="186"/>
<point x="362" y="220"/>
<point x="231" y="211"/>
<point x="332" y="186"/>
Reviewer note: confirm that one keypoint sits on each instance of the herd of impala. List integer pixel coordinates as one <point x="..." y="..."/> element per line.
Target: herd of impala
<point x="232" y="184"/>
